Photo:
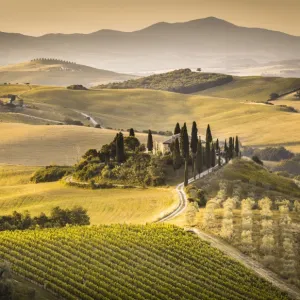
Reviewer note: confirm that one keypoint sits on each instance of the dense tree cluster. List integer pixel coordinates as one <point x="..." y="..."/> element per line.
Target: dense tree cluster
<point x="123" y="160"/>
<point x="77" y="87"/>
<point x="58" y="218"/>
<point x="50" y="174"/>
<point x="181" y="81"/>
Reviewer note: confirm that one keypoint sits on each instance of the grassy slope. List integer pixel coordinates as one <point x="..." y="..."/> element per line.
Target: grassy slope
<point x="253" y="174"/>
<point x="254" y="89"/>
<point x="22" y="285"/>
<point x="104" y="206"/>
<point x="144" y="109"/>
<point x="132" y="262"/>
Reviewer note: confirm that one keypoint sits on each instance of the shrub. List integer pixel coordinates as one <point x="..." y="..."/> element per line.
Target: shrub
<point x="70" y="121"/>
<point x="196" y="195"/>
<point x="91" y="153"/>
<point x="78" y="87"/>
<point x="50" y="174"/>
<point x="88" y="170"/>
<point x="256" y="159"/>
<point x="131" y="143"/>
<point x="274" y="96"/>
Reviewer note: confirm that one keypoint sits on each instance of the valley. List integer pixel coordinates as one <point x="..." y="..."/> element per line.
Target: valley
<point x="175" y="185"/>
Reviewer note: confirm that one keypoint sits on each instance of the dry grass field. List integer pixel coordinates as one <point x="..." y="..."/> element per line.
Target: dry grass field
<point x="33" y="145"/>
<point x="106" y="206"/>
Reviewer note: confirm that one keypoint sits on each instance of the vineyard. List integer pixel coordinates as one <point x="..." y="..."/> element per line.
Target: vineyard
<point x="129" y="262"/>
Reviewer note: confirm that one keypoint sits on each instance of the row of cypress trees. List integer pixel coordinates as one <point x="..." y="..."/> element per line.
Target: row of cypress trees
<point x="201" y="156"/>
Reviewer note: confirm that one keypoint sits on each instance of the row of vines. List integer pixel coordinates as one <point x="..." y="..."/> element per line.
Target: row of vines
<point x="129" y="262"/>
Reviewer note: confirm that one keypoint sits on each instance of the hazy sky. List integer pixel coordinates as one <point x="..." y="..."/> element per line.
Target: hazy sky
<point x="37" y="17"/>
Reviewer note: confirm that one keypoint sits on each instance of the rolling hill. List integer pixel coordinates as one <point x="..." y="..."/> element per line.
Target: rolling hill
<point x="141" y="109"/>
<point x="58" y="73"/>
<point x="205" y="43"/>
<point x="105" y="206"/>
<point x="253" y="88"/>
<point x="160" y="110"/>
<point x="130" y="262"/>
<point x="180" y="81"/>
<point x="42" y="145"/>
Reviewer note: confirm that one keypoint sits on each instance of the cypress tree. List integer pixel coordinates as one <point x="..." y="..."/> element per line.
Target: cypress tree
<point x="208" y="154"/>
<point x="176" y="146"/>
<point x="233" y="147"/>
<point x="219" y="160"/>
<point x="230" y="149"/>
<point x="184" y="144"/>
<point x="213" y="155"/>
<point x="194" y="138"/>
<point x="204" y="156"/>
<point x="226" y="150"/>
<point x="199" y="157"/>
<point x="150" y="141"/>
<point x="194" y="144"/>
<point x="208" y="134"/>
<point x="176" y="155"/>
<point x="217" y="145"/>
<point x="177" y="129"/>
<point x="120" y="154"/>
<point x="237" y="147"/>
<point x="131" y="132"/>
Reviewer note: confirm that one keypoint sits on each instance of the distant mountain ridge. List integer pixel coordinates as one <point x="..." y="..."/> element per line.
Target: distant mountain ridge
<point x="206" y="43"/>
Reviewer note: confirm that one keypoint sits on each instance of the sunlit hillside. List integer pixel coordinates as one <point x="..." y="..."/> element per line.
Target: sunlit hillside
<point x="253" y="89"/>
<point x="105" y="206"/>
<point x="159" y="110"/>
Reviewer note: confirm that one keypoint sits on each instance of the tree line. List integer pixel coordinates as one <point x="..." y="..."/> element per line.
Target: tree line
<point x="53" y="60"/>
<point x="58" y="218"/>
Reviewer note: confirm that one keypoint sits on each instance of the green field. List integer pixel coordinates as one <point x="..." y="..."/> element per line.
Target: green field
<point x="253" y="89"/>
<point x="130" y="262"/>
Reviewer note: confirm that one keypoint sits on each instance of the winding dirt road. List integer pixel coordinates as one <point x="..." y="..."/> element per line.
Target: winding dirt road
<point x="183" y="201"/>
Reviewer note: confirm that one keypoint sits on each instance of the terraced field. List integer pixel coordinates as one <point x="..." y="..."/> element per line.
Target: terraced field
<point x="130" y="262"/>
